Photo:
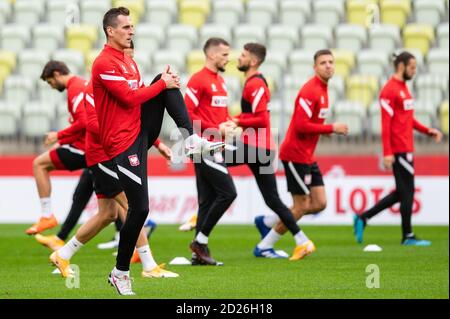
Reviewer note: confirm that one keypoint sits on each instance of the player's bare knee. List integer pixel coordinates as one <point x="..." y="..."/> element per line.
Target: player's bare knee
<point x="319" y="205"/>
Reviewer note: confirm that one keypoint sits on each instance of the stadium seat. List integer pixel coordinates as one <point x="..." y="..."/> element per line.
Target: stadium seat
<point x="231" y="67"/>
<point x="431" y="87"/>
<point x="214" y="30"/>
<point x="443" y="35"/>
<point x="92" y="12"/>
<point x="384" y="37"/>
<point x="181" y="37"/>
<point x="395" y="12"/>
<point x="31" y="62"/>
<point x="194" y="12"/>
<point x="72" y="58"/>
<point x="46" y="93"/>
<point x="261" y="12"/>
<point x="328" y="12"/>
<point x="162" y="58"/>
<point x="81" y="37"/>
<point x="301" y="62"/>
<point x="424" y="111"/>
<point x="62" y="116"/>
<point x="292" y="85"/>
<point x="358" y="11"/>
<point x="362" y="89"/>
<point x="28" y="12"/>
<point x="234" y="90"/>
<point x="244" y="33"/>
<point x="36" y="119"/>
<point x="227" y="12"/>
<point x="161" y="12"/>
<point x="274" y="65"/>
<point x="336" y="87"/>
<point x="375" y="119"/>
<point x="418" y="36"/>
<point x="14" y="37"/>
<point x="344" y="62"/>
<point x="143" y="60"/>
<point x="195" y="61"/>
<point x="429" y="11"/>
<point x="7" y="63"/>
<point x="438" y="60"/>
<point x="316" y="36"/>
<point x="350" y="36"/>
<point x="443" y="112"/>
<point x="47" y="37"/>
<point x="294" y="13"/>
<point x="90" y="57"/>
<point x="18" y="88"/>
<point x="8" y="117"/>
<point x="136" y="7"/>
<point x="282" y="38"/>
<point x="5" y="11"/>
<point x="353" y="114"/>
<point x="373" y="62"/>
<point x="63" y="12"/>
<point x="148" y="37"/>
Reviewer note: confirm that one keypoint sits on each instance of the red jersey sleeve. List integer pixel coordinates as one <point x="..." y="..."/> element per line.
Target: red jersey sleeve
<point x="192" y="98"/>
<point x="387" y="104"/>
<point x="91" y="116"/>
<point x="420" y="127"/>
<point x="258" y="97"/>
<point x="109" y="75"/>
<point x="78" y="127"/>
<point x="157" y="142"/>
<point x="306" y="104"/>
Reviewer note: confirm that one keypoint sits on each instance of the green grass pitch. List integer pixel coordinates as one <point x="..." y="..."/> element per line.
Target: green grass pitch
<point x="336" y="270"/>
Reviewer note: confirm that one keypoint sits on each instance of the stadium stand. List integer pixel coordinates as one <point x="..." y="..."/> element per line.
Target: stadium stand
<point x="362" y="33"/>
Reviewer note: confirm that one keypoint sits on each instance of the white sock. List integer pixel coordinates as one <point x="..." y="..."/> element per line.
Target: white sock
<point x="119" y="273"/>
<point x="271" y="220"/>
<point x="70" y="249"/>
<point x="46" y="207"/>
<point x="300" y="238"/>
<point x="148" y="263"/>
<point x="269" y="241"/>
<point x="201" y="238"/>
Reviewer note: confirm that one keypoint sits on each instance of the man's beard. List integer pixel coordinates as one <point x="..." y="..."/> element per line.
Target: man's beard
<point x="406" y="77"/>
<point x="60" y="88"/>
<point x="221" y="68"/>
<point x="243" y="68"/>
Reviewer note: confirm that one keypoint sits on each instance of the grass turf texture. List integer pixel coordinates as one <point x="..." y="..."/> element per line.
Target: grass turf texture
<point x="336" y="270"/>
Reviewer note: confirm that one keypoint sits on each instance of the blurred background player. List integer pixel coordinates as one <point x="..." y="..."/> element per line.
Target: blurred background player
<point x="304" y="179"/>
<point x="207" y="103"/>
<point x="256" y="147"/>
<point x="398" y="125"/>
<point x="69" y="154"/>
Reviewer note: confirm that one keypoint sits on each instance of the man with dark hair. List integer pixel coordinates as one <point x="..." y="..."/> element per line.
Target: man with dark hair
<point x="68" y="155"/>
<point x="303" y="175"/>
<point x="398" y="124"/>
<point x="256" y="147"/>
<point x="126" y="133"/>
<point x="207" y="103"/>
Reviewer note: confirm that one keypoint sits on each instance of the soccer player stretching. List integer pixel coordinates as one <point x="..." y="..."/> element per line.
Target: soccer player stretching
<point x="398" y="124"/>
<point x="118" y="95"/>
<point x="256" y="147"/>
<point x="69" y="155"/>
<point x="303" y="175"/>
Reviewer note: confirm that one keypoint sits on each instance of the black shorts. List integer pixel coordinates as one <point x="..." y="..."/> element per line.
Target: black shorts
<point x="67" y="157"/>
<point x="106" y="181"/>
<point x="301" y="177"/>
